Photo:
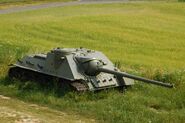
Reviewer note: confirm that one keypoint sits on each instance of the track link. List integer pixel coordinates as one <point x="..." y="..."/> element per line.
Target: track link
<point x="79" y="86"/>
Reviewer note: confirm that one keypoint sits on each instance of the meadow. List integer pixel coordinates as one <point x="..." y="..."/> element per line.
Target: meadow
<point x="146" y="39"/>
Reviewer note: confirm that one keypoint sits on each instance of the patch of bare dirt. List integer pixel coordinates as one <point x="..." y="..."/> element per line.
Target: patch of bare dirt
<point x="16" y="111"/>
<point x="4" y="97"/>
<point x="16" y="116"/>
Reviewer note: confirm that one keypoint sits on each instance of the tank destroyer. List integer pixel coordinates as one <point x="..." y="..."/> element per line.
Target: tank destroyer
<point x="82" y="68"/>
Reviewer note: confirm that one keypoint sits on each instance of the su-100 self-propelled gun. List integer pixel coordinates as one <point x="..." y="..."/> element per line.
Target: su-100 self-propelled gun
<point x="83" y="69"/>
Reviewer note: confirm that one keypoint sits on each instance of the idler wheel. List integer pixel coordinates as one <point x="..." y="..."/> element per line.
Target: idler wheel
<point x="14" y="72"/>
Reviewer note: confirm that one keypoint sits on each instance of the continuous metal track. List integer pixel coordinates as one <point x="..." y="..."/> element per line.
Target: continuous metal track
<point x="28" y="75"/>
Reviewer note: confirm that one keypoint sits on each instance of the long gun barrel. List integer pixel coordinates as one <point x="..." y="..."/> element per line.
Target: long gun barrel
<point x="135" y="77"/>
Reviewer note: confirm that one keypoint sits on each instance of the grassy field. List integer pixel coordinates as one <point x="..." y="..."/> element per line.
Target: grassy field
<point x="146" y="38"/>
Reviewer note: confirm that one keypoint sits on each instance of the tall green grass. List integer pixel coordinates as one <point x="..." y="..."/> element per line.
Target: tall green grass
<point x="181" y="0"/>
<point x="141" y="103"/>
<point x="145" y="39"/>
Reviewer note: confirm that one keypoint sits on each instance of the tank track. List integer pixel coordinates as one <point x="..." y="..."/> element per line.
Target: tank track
<point x="79" y="86"/>
<point x="29" y="75"/>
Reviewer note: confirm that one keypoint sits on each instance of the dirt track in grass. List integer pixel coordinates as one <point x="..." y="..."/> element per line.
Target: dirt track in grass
<point x="15" y="111"/>
<point x="57" y="4"/>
